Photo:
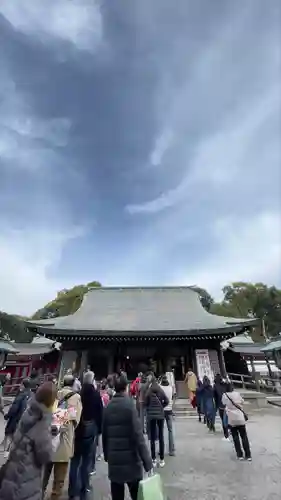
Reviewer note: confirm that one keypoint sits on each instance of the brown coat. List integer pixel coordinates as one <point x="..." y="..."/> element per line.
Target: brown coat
<point x="66" y="447"/>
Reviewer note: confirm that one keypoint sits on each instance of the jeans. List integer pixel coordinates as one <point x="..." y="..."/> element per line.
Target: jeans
<point x="239" y="432"/>
<point x="99" y="447"/>
<point x="118" y="490"/>
<point x="94" y="453"/>
<point x="154" y="426"/>
<point x="210" y="414"/>
<point x="224" y="427"/>
<point x="141" y="412"/>
<point x="79" y="474"/>
<point x="169" y="422"/>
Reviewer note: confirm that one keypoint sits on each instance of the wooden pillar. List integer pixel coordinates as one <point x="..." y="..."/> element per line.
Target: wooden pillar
<point x="190" y="362"/>
<point x="268" y="367"/>
<point x="255" y="375"/>
<point x="84" y="362"/>
<point x="222" y="363"/>
<point x="110" y="363"/>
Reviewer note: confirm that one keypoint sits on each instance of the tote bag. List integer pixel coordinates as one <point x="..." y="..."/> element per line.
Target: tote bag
<point x="151" y="488"/>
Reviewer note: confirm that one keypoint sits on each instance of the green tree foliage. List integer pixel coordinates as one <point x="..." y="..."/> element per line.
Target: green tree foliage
<point x="66" y="302"/>
<point x="244" y="300"/>
<point x="12" y="327"/>
<point x="255" y="300"/>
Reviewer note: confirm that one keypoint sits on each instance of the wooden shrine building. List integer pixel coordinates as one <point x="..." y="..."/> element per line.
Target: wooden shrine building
<point x="124" y="328"/>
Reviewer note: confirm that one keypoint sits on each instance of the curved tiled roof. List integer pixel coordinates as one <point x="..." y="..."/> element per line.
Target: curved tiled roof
<point x="149" y="309"/>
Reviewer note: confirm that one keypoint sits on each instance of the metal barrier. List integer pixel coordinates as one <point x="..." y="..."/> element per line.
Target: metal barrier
<point x="256" y="382"/>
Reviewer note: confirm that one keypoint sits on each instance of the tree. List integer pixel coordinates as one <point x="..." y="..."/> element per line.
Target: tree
<point x="205" y="298"/>
<point x="12" y="327"/>
<point x="66" y="302"/>
<point x="257" y="301"/>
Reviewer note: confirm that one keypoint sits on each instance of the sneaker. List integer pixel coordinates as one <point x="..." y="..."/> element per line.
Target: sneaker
<point x="154" y="463"/>
<point x="6" y="454"/>
<point x="249" y="459"/>
<point x="99" y="458"/>
<point x="240" y="458"/>
<point x="93" y="473"/>
<point x="162" y="463"/>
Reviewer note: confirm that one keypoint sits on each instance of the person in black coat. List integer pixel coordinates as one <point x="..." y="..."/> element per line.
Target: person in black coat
<point x="219" y="390"/>
<point x="124" y="445"/>
<point x="15" y="413"/>
<point x="209" y="404"/>
<point x="86" y="435"/>
<point x="155" y="401"/>
<point x="199" y="401"/>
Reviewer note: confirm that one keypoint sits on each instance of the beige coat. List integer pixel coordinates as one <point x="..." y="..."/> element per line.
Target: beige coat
<point x="191" y="381"/>
<point x="66" y="447"/>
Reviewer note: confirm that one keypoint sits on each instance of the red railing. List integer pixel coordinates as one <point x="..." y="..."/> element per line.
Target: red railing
<point x="11" y="388"/>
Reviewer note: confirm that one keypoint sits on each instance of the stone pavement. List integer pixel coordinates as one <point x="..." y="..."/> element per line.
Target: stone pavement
<point x="205" y="467"/>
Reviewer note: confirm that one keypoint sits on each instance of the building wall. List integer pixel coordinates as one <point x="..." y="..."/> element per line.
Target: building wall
<point x="108" y="356"/>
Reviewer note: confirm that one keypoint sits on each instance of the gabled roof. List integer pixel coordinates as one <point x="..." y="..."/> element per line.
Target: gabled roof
<point x="274" y="345"/>
<point x="249" y="350"/>
<point x="8" y="347"/>
<point x="138" y="310"/>
<point x="244" y="344"/>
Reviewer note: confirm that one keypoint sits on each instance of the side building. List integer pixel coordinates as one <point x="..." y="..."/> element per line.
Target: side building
<point x="125" y="328"/>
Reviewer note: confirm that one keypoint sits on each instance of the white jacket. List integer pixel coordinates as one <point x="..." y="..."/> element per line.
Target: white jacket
<point x="171" y="379"/>
<point x="169" y="393"/>
<point x="235" y="416"/>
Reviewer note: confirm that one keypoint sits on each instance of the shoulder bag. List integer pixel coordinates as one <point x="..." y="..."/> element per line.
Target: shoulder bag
<point x="66" y="398"/>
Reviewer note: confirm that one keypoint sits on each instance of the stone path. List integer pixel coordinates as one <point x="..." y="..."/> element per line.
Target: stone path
<point x="205" y="467"/>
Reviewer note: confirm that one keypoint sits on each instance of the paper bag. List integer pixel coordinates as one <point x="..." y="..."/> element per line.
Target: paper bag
<point x="151" y="488"/>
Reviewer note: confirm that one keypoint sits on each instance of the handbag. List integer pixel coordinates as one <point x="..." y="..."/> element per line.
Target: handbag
<point x="151" y="488"/>
<point x="238" y="408"/>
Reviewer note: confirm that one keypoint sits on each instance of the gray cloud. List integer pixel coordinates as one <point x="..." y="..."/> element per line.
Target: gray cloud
<point x="147" y="126"/>
<point x="77" y="21"/>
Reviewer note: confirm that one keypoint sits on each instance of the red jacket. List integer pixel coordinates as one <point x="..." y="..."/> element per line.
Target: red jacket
<point x="134" y="387"/>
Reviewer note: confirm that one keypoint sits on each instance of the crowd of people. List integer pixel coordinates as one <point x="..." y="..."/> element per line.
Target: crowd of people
<point x="221" y="398"/>
<point x="100" y="420"/>
<point x="61" y="433"/>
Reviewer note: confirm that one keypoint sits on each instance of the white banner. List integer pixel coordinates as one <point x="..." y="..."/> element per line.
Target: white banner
<point x="204" y="365"/>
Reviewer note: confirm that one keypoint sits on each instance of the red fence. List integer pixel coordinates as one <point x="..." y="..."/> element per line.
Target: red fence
<point x="11" y="388"/>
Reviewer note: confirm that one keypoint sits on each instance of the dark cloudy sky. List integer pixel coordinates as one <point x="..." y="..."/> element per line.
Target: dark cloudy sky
<point x="139" y="144"/>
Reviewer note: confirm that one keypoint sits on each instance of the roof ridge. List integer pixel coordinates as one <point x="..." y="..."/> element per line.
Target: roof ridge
<point x="165" y="287"/>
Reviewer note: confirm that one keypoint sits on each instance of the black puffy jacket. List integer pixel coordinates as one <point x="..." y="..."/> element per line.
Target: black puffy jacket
<point x="124" y="445"/>
<point x="155" y="402"/>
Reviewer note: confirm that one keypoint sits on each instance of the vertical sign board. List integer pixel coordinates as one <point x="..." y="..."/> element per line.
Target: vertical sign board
<point x="203" y="364"/>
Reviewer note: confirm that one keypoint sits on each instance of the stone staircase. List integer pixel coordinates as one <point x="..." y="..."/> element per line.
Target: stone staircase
<point x="183" y="409"/>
